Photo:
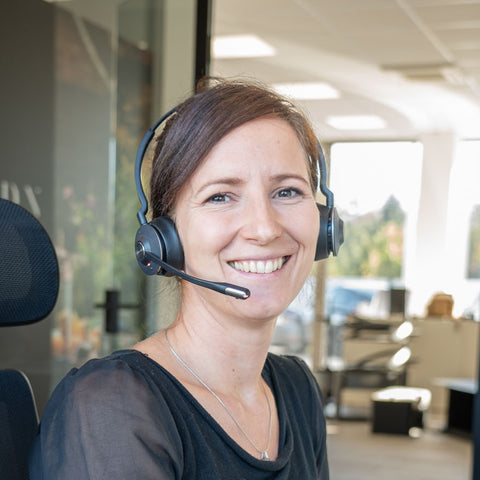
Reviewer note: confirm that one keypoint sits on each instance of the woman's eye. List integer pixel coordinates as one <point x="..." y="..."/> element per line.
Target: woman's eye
<point x="288" y="193"/>
<point x="218" y="198"/>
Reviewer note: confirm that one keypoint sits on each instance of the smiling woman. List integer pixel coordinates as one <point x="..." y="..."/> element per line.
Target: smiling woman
<point x="235" y="175"/>
<point x="255" y="210"/>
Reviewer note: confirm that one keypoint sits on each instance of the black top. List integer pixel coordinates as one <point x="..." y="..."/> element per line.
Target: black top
<point x="126" y="417"/>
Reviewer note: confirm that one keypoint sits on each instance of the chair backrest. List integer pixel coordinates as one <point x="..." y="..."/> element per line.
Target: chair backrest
<point x="29" y="283"/>
<point x="18" y="424"/>
<point x="29" y="275"/>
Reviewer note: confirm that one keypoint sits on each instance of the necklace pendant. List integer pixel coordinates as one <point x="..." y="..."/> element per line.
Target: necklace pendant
<point x="264" y="455"/>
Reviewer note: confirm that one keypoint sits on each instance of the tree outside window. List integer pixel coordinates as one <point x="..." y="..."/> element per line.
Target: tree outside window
<point x="376" y="187"/>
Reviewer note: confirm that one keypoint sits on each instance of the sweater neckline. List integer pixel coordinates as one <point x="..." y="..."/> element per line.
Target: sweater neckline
<point x="285" y="446"/>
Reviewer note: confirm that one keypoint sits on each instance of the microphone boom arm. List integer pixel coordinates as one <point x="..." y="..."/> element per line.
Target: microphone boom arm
<point x="221" y="287"/>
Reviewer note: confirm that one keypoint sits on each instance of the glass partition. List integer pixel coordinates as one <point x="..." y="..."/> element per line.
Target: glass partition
<point x="83" y="81"/>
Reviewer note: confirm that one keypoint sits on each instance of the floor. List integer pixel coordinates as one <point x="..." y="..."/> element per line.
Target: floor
<point x="355" y="453"/>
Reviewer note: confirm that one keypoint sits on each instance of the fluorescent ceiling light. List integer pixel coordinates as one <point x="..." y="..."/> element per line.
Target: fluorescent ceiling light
<point x="307" y="90"/>
<point x="356" y="122"/>
<point x="241" y="46"/>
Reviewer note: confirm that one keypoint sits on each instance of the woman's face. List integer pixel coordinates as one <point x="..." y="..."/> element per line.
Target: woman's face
<point x="247" y="216"/>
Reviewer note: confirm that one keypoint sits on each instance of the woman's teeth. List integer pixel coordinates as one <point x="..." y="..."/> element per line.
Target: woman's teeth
<point x="259" y="266"/>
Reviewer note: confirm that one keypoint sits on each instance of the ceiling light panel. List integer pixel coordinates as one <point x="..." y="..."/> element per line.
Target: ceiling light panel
<point x="356" y="122"/>
<point x="241" y="46"/>
<point x="307" y="90"/>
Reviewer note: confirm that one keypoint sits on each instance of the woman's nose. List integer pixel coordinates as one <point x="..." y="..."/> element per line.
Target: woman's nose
<point x="261" y="221"/>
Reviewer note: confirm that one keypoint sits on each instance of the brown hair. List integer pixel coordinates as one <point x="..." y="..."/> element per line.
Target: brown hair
<point x="203" y="120"/>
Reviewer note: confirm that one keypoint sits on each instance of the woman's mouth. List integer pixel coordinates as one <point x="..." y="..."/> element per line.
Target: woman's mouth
<point x="259" y="266"/>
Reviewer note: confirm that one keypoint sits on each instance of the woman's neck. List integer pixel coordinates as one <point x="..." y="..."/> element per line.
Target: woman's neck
<point x="226" y="353"/>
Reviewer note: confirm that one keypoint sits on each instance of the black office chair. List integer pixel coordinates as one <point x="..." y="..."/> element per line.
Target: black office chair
<point x="29" y="282"/>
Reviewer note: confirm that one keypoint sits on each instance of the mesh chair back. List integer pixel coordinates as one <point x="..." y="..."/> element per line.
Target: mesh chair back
<point x="29" y="278"/>
<point x="29" y="282"/>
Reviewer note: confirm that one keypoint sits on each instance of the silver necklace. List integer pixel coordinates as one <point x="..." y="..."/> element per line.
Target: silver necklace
<point x="263" y="453"/>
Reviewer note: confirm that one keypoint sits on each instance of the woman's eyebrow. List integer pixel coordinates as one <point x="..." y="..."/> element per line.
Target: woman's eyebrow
<point x="289" y="176"/>
<point x="228" y="181"/>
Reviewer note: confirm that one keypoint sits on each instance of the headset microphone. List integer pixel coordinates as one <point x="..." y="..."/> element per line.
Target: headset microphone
<point x="151" y="262"/>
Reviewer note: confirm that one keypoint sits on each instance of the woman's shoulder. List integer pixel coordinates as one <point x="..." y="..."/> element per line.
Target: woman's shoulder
<point x="288" y="365"/>
<point x="117" y="374"/>
<point x="292" y="374"/>
<point x="107" y="411"/>
<point x="126" y="362"/>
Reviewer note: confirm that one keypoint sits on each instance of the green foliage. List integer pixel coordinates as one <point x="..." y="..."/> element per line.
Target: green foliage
<point x="474" y="244"/>
<point x="82" y="249"/>
<point x="373" y="244"/>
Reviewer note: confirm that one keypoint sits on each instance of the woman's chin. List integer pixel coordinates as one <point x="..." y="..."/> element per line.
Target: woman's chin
<point x="264" y="305"/>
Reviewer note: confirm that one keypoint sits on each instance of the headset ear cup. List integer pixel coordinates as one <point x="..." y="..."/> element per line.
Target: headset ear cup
<point x="335" y="232"/>
<point x="322" y="250"/>
<point x="158" y="240"/>
<point x="330" y="235"/>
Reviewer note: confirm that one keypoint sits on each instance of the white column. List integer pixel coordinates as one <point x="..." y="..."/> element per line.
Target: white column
<point x="426" y="271"/>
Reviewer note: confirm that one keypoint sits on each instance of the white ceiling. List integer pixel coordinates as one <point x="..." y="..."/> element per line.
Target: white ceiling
<point x="415" y="63"/>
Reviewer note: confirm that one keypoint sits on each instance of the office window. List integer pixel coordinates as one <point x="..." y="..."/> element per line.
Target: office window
<point x="465" y="205"/>
<point x="376" y="187"/>
<point x="474" y="244"/>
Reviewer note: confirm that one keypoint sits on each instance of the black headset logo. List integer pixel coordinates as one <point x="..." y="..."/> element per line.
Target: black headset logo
<point x="158" y="248"/>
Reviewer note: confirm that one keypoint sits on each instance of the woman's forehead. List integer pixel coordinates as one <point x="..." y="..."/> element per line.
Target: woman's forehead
<point x="264" y="145"/>
<point x="256" y="136"/>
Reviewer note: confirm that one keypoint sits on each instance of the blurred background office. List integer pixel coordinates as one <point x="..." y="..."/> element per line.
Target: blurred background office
<point x="393" y="89"/>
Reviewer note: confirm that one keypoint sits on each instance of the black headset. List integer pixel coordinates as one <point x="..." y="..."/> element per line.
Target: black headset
<point x="157" y="245"/>
<point x="330" y="235"/>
